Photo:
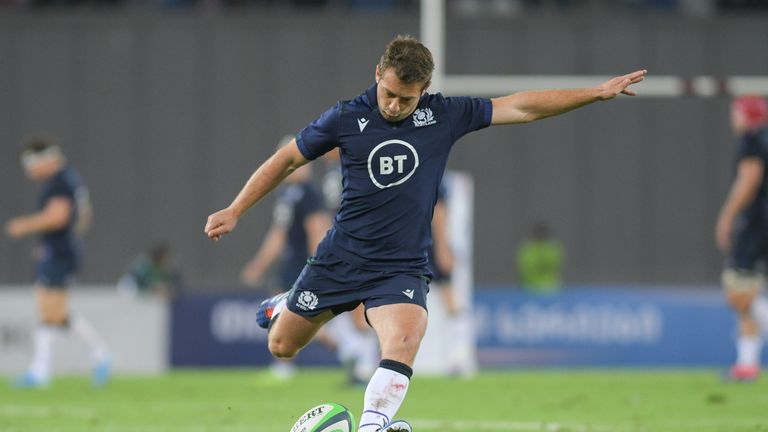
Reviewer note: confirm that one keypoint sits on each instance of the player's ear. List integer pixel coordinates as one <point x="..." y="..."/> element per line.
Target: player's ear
<point x="426" y="86"/>
<point x="378" y="74"/>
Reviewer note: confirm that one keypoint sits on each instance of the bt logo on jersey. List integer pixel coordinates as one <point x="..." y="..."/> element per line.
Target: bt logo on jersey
<point x="392" y="163"/>
<point x="387" y="164"/>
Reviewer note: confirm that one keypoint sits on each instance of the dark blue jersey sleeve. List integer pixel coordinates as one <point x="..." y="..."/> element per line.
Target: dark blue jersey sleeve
<point x="468" y="114"/>
<point x="320" y="136"/>
<point x="57" y="187"/>
<point x="751" y="146"/>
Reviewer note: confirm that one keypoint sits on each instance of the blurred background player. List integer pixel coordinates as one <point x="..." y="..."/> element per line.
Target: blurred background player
<point x="540" y="261"/>
<point x="355" y="341"/>
<point x="742" y="232"/>
<point x="299" y="222"/>
<point x="441" y="262"/>
<point x="152" y="273"/>
<point x="63" y="215"/>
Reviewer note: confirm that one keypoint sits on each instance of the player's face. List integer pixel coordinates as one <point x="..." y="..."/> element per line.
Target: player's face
<point x="396" y="100"/>
<point x="40" y="168"/>
<point x="738" y="121"/>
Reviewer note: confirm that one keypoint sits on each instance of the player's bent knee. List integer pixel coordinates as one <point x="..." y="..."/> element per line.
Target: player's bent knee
<point x="742" y="281"/>
<point x="55" y="321"/>
<point x="281" y="349"/>
<point x="741" y="287"/>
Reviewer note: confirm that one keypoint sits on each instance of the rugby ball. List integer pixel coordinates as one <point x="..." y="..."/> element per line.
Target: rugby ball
<point x="328" y="417"/>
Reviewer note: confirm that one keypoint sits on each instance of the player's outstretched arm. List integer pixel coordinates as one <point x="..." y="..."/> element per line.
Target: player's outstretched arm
<point x="527" y="106"/>
<point x="264" y="179"/>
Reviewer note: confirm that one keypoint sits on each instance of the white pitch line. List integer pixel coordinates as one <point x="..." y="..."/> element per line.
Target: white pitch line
<point x="42" y="411"/>
<point x="510" y="426"/>
<point x="427" y="424"/>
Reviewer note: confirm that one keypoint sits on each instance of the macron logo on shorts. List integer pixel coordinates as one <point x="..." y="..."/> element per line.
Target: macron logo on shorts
<point x="408" y="293"/>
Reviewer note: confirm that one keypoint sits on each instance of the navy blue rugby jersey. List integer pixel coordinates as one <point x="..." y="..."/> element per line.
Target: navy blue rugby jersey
<point x="63" y="244"/>
<point x="295" y="203"/>
<point x="754" y="144"/>
<point x="391" y="173"/>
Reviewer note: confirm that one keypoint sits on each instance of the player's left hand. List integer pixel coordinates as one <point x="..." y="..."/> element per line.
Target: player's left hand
<point x="15" y="228"/>
<point x="220" y="223"/>
<point x="619" y="85"/>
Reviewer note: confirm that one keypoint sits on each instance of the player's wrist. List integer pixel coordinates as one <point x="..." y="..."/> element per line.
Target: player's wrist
<point x="236" y="210"/>
<point x="601" y="93"/>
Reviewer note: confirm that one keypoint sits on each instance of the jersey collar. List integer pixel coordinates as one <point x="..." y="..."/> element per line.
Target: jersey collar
<point x="370" y="94"/>
<point x="373" y="103"/>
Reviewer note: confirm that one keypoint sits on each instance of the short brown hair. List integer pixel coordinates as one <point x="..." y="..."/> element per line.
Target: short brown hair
<point x="409" y="58"/>
<point x="39" y="143"/>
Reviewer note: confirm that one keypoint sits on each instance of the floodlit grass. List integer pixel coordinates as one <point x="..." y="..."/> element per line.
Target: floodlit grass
<point x="251" y="401"/>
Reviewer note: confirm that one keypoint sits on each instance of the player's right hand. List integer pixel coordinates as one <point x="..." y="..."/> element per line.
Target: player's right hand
<point x="220" y="223"/>
<point x="723" y="233"/>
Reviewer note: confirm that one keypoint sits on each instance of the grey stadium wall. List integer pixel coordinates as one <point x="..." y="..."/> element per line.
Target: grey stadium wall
<point x="166" y="116"/>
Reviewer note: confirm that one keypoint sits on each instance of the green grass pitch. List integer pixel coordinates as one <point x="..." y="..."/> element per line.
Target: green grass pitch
<point x="519" y="401"/>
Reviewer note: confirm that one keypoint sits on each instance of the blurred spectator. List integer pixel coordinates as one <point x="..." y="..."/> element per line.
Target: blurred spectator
<point x="152" y="273"/>
<point x="539" y="261"/>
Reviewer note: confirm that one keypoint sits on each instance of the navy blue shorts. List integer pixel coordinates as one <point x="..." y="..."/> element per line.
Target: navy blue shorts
<point x="332" y="284"/>
<point x="750" y="246"/>
<point x="53" y="273"/>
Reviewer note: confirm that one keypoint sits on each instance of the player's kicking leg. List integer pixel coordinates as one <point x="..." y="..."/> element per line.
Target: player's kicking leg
<point x="289" y="332"/>
<point x="400" y="328"/>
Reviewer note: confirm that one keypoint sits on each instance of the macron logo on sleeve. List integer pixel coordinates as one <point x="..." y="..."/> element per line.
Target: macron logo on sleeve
<point x="362" y="122"/>
<point x="408" y="293"/>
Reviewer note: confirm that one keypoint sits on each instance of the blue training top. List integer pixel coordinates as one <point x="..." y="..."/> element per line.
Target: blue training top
<point x="391" y="173"/>
<point x="62" y="244"/>
<point x="754" y="144"/>
<point x="295" y="203"/>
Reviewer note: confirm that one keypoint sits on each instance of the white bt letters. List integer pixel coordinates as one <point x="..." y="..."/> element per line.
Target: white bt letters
<point x="386" y="164"/>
